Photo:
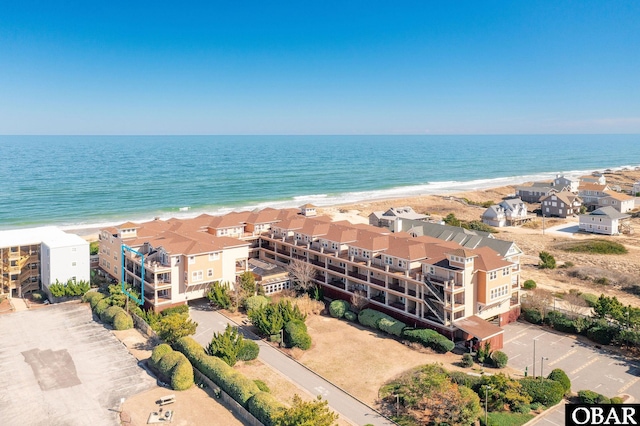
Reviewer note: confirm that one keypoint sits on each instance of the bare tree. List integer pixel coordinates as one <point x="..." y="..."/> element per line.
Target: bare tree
<point x="575" y="304"/>
<point x="359" y="300"/>
<point x="302" y="274"/>
<point x="538" y="299"/>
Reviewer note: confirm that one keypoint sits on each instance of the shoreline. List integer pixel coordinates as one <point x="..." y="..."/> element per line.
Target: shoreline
<point x="476" y="190"/>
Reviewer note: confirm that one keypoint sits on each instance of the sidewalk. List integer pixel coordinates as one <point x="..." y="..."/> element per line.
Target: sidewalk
<point x="18" y="304"/>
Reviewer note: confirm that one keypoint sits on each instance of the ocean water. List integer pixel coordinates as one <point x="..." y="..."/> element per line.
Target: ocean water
<point x="86" y="181"/>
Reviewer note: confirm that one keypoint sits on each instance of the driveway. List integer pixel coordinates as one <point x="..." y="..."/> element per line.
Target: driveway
<point x="588" y="367"/>
<point x="349" y="408"/>
<point x="564" y="230"/>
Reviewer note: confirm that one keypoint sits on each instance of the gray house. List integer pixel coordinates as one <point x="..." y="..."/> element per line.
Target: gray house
<point x="535" y="191"/>
<point x="605" y="220"/>
<point x="390" y="219"/>
<point x="562" y="204"/>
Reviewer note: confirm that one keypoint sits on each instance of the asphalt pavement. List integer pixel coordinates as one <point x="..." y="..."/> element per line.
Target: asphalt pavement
<point x="348" y="407"/>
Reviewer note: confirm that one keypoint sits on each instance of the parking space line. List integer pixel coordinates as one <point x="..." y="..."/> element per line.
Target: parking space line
<point x="541" y="334"/>
<point x="628" y="385"/>
<point x="515" y="338"/>
<point x="585" y="365"/>
<point x="568" y="354"/>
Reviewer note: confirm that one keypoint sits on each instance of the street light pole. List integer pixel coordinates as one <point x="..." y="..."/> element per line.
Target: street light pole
<point x="542" y="360"/>
<point x="486" y="404"/>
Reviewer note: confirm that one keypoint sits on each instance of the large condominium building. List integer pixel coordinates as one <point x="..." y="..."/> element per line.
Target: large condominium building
<point x="30" y="257"/>
<point x="422" y="280"/>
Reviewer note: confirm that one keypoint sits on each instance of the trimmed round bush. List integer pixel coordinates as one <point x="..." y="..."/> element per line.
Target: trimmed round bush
<point x="264" y="407"/>
<point x="351" y="316"/>
<point x="391" y="326"/>
<point x="122" y="321"/>
<point x="616" y="400"/>
<point x="157" y="354"/>
<point x="499" y="359"/>
<point x="591" y="397"/>
<point x="544" y="391"/>
<point x="295" y="335"/>
<point x="167" y="362"/>
<point x="558" y="375"/>
<point x="529" y="285"/>
<point x="93" y="297"/>
<point x="109" y="314"/>
<point x="338" y="307"/>
<point x="467" y="360"/>
<point x="429" y="338"/>
<point x="248" y="351"/>
<point x="261" y="385"/>
<point x="255" y="302"/>
<point x="182" y="374"/>
<point x="371" y="318"/>
<point x="101" y="306"/>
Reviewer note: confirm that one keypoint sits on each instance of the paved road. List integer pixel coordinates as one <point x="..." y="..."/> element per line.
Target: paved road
<point x="587" y="366"/>
<point x="349" y="408"/>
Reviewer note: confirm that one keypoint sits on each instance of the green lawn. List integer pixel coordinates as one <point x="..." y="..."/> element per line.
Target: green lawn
<point x="507" y="419"/>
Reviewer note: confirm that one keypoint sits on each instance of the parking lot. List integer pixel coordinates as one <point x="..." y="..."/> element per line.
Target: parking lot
<point x="589" y="367"/>
<point x="59" y="367"/>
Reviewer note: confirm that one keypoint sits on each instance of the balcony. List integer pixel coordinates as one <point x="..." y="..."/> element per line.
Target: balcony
<point x="377" y="282"/>
<point x="337" y="283"/>
<point x="396" y="287"/>
<point x="336" y="269"/>
<point x="397" y="305"/>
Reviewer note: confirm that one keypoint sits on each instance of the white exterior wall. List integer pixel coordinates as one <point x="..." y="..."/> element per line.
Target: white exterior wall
<point x="598" y="224"/>
<point x="229" y="257"/>
<point x="64" y="262"/>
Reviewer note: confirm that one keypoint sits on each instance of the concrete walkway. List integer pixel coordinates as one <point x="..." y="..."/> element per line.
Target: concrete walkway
<point x="18" y="304"/>
<point x="345" y="405"/>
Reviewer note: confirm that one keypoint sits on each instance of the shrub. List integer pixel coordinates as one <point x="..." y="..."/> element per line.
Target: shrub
<point x="93" y="297"/>
<point x="467" y="361"/>
<point x="255" y="302"/>
<point x="529" y="285"/>
<point x="596" y="247"/>
<point x="558" y="375"/>
<point x="547" y="261"/>
<point x="601" y="332"/>
<point x="109" y="314"/>
<point x="122" y="321"/>
<point x="265" y="407"/>
<point x="590" y="298"/>
<point x="238" y="386"/>
<point x="351" y="316"/>
<point x="338" y="307"/>
<point x="157" y="354"/>
<point x="295" y="335"/>
<point x="102" y="306"/>
<point x="226" y="345"/>
<point x="249" y="350"/>
<point x="429" y="338"/>
<point x="560" y="322"/>
<point x="532" y="315"/>
<point x="499" y="359"/>
<point x="616" y="400"/>
<point x="391" y="326"/>
<point x="220" y="294"/>
<point x="182" y="309"/>
<point x="182" y="374"/>
<point x="38" y="296"/>
<point x="464" y="379"/>
<point x="371" y="318"/>
<point x="167" y="362"/>
<point x="261" y="385"/>
<point x="544" y="391"/>
<point x="591" y="397"/>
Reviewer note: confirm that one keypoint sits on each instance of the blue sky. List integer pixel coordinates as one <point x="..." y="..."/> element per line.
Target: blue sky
<point x="343" y="67"/>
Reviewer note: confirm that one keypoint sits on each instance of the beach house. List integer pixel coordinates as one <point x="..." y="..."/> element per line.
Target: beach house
<point x="562" y="204"/>
<point x="563" y="183"/>
<point x="33" y="259"/>
<point x="591" y="193"/>
<point x="621" y="202"/>
<point x="605" y="220"/>
<point x="509" y="212"/>
<point x="422" y="280"/>
<point x="392" y="218"/>
<point x="532" y="193"/>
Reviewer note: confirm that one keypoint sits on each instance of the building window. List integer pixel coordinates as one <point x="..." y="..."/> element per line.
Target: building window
<point x="73" y="249"/>
<point x="115" y="269"/>
<point x="388" y="260"/>
<point x="196" y="276"/>
<point x="505" y="272"/>
<point x="214" y="256"/>
<point x="499" y="291"/>
<point x="108" y="265"/>
<point x="73" y="263"/>
<point x="402" y="263"/>
<point x="192" y="260"/>
<point x="334" y="246"/>
<point x="209" y="273"/>
<point x="493" y="275"/>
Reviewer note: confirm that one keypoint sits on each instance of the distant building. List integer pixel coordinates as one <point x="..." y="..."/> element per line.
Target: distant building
<point x="532" y="193"/>
<point x="562" y="204"/>
<point x="308" y="210"/>
<point x="271" y="277"/>
<point x="595" y="177"/>
<point x="622" y="202"/>
<point x="390" y="219"/>
<point x="509" y="212"/>
<point x="591" y="193"/>
<point x="40" y="256"/>
<point x="605" y="220"/>
<point x="635" y="191"/>
<point x="567" y="184"/>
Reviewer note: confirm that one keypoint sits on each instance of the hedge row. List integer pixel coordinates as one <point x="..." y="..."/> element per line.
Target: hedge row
<point x="93" y="297"/>
<point x="392" y="326"/>
<point x="544" y="391"/>
<point x="429" y="338"/>
<point x="172" y="366"/>
<point x="238" y="386"/>
<point x="338" y="308"/>
<point x="381" y="321"/>
<point x="114" y="315"/>
<point x="296" y="335"/>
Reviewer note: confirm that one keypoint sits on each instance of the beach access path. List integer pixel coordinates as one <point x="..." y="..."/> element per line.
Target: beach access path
<point x="348" y="407"/>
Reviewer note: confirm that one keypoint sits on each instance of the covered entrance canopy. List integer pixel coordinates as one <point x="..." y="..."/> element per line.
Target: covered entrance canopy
<point x="481" y="330"/>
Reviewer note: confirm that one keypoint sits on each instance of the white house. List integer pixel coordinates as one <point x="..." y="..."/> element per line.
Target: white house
<point x="605" y="220"/>
<point x="568" y="184"/>
<point x="622" y="202"/>
<point x="509" y="212"/>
